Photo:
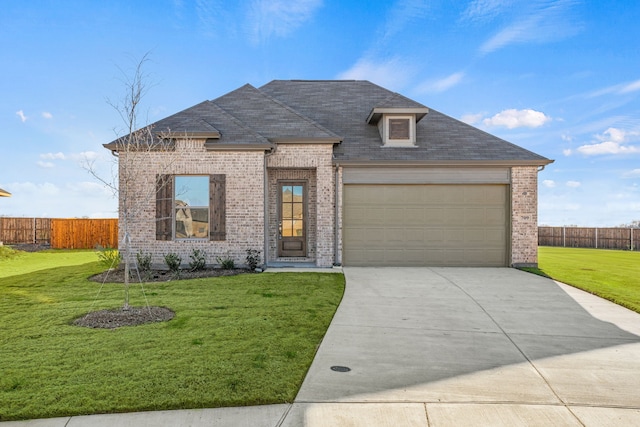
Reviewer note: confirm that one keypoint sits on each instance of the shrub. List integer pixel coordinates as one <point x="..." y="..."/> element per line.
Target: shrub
<point x="144" y="264"/>
<point x="253" y="258"/>
<point x="226" y="262"/>
<point x="173" y="261"/>
<point x="6" y="252"/>
<point x="198" y="260"/>
<point x="109" y="257"/>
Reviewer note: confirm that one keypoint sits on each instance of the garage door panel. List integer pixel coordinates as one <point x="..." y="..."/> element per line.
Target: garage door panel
<point x="414" y="216"/>
<point x="453" y="216"/>
<point x="452" y="225"/>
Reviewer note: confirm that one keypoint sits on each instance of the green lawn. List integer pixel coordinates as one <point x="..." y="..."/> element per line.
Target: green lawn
<point x="241" y="340"/>
<point x="614" y="275"/>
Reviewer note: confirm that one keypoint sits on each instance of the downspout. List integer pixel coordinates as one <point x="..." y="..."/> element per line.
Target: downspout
<point x="337" y="261"/>
<point x="266" y="203"/>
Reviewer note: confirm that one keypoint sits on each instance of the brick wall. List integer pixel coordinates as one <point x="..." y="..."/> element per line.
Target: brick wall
<point x="244" y="199"/>
<point x="524" y="216"/>
<point x="313" y="162"/>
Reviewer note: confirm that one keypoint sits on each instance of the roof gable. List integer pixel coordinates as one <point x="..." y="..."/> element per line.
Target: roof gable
<point x="271" y="118"/>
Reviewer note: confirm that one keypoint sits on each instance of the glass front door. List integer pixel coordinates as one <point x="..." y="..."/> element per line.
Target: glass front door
<point x="292" y="224"/>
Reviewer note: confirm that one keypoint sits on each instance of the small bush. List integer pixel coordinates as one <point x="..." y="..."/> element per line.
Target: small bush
<point x="173" y="261"/>
<point x="109" y="257"/>
<point x="226" y="262"/>
<point x="144" y="264"/>
<point x="253" y="258"/>
<point x="198" y="260"/>
<point x="6" y="252"/>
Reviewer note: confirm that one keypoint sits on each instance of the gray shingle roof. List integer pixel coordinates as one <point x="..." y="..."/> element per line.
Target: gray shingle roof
<point x="342" y="106"/>
<point x="337" y="110"/>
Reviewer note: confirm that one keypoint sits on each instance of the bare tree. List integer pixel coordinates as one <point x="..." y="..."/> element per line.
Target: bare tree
<point x="132" y="149"/>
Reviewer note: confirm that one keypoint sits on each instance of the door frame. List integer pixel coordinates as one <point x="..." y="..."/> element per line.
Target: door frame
<point x="295" y="252"/>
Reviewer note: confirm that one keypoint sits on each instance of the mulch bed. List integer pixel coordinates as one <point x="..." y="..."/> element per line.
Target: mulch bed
<point x="116" y="318"/>
<point x="117" y="275"/>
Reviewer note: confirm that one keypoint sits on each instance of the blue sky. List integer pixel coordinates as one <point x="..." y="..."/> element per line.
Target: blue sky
<point x="560" y="78"/>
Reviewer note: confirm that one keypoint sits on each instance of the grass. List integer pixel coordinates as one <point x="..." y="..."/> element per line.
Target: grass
<point x="13" y="262"/>
<point x="241" y="340"/>
<point x="610" y="274"/>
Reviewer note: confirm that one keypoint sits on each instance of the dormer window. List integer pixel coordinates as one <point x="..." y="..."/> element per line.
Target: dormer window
<point x="397" y="126"/>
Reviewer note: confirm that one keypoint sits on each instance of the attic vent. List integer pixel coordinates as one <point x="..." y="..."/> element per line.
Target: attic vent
<point x="399" y="129"/>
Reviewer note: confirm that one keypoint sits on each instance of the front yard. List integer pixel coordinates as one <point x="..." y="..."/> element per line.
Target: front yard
<point x="240" y="340"/>
<point x="610" y="274"/>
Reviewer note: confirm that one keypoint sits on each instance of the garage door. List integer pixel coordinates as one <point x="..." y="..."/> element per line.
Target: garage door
<point x="425" y="225"/>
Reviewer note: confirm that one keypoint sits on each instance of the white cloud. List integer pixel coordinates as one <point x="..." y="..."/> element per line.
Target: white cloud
<point x="393" y="74"/>
<point x="20" y="114"/>
<point x="279" y="17"/>
<point x="619" y="89"/>
<point x="613" y="141"/>
<point x="472" y="119"/>
<point x="402" y="12"/>
<point x="632" y="173"/>
<point x="549" y="183"/>
<point x="607" y="147"/>
<point x="47" y="115"/>
<point x="538" y="22"/>
<point x="630" y="87"/>
<point x="441" y="85"/>
<point x="616" y="135"/>
<point x="34" y="190"/>
<point x="483" y="10"/>
<point x="90" y="189"/>
<point x="573" y="184"/>
<point x="87" y="156"/>
<point x="567" y="151"/>
<point x="53" y="156"/>
<point x="513" y="118"/>
<point x="45" y="165"/>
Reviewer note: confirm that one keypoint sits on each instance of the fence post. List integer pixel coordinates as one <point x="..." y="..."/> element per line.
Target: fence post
<point x="564" y="237"/>
<point x="631" y="237"/>
<point x="596" y="237"/>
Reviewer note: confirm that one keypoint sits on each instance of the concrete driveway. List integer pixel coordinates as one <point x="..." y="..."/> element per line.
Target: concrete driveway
<point x="471" y="347"/>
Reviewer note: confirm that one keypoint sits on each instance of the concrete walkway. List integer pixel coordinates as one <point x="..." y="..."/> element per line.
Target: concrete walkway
<point x="450" y="347"/>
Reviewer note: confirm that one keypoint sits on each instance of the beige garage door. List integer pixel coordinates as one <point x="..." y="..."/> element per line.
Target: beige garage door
<point x="425" y="225"/>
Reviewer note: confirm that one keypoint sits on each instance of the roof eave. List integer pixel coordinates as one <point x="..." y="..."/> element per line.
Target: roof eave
<point x="237" y="147"/>
<point x="185" y="135"/>
<point x="331" y="140"/>
<point x="442" y="163"/>
<point x="376" y="113"/>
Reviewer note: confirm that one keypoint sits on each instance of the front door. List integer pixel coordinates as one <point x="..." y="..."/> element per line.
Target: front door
<point x="292" y="221"/>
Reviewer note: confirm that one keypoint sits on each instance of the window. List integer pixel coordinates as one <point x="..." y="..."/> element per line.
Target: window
<point x="191" y="207"/>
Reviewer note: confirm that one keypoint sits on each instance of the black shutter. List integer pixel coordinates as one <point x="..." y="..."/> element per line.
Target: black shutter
<point x="217" y="207"/>
<point x="164" y="207"/>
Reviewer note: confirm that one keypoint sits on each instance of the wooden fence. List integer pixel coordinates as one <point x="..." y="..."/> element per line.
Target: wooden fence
<point x="588" y="237"/>
<point x="73" y="233"/>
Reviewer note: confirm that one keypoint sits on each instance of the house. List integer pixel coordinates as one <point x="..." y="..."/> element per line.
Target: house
<point x="4" y="193"/>
<point x="329" y="173"/>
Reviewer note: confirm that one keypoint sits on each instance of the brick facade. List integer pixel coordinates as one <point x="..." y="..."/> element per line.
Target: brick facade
<point x="524" y="216"/>
<point x="244" y="199"/>
<point x="310" y="163"/>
